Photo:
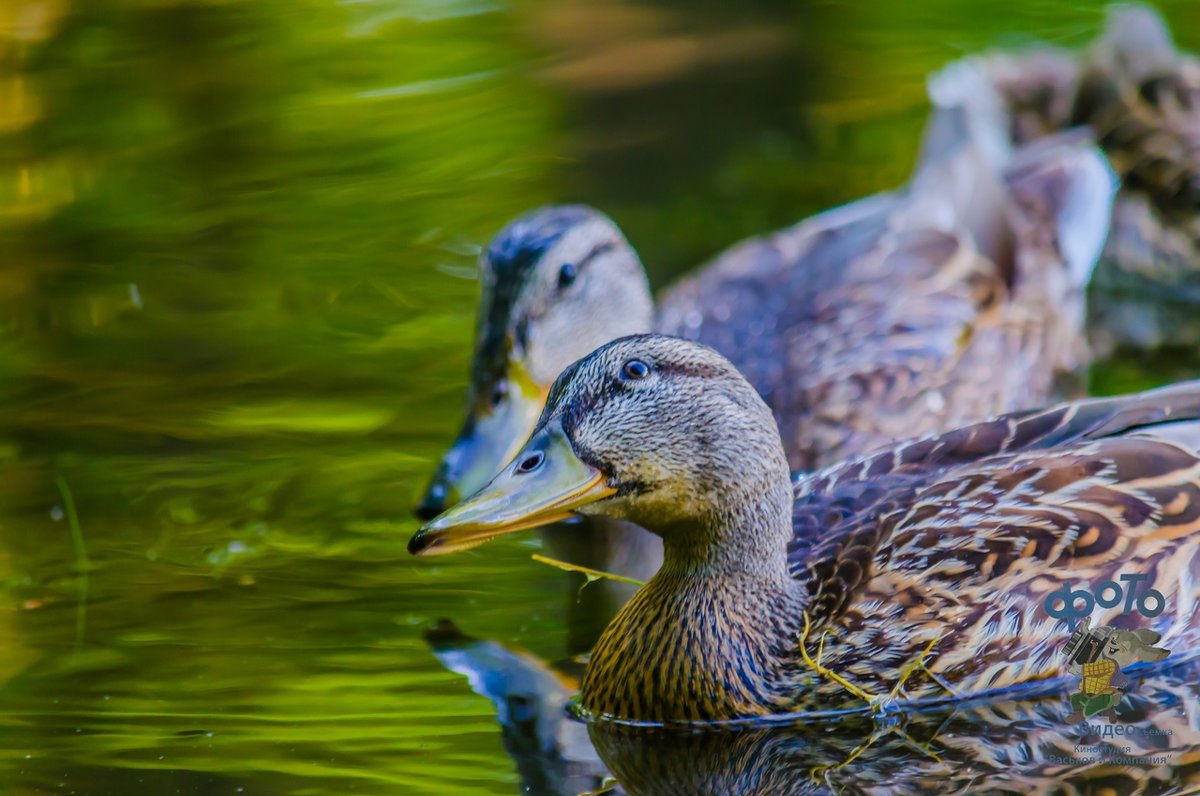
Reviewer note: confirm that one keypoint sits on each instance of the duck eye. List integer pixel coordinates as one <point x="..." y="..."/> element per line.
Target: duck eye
<point x="499" y="393"/>
<point x="635" y="369"/>
<point x="531" y="462"/>
<point x="566" y="276"/>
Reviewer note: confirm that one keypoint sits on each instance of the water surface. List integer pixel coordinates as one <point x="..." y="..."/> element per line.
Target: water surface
<point x="237" y="292"/>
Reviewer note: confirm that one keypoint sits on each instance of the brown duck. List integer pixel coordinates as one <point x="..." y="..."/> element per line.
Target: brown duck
<point x="1008" y="745"/>
<point x="1003" y="748"/>
<point x="953" y="298"/>
<point x="1141" y="97"/>
<point x="938" y="550"/>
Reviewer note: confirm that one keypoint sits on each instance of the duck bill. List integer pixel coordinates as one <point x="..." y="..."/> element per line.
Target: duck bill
<point x="519" y="497"/>
<point x="488" y="439"/>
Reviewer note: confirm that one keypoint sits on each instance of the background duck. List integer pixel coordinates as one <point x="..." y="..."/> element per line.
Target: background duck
<point x="946" y="544"/>
<point x="953" y="298"/>
<point x="1141" y="98"/>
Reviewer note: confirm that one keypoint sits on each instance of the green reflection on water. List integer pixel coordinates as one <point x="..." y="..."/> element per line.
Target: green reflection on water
<point x="236" y="298"/>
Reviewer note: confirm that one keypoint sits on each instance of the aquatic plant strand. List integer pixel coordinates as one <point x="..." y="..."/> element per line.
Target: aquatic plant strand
<point x="81" y="559"/>
<point x="877" y="703"/>
<point x="592" y="575"/>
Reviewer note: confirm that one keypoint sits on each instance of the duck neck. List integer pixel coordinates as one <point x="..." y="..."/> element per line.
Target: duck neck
<point x="738" y="545"/>
<point x="743" y="536"/>
<point x="713" y="634"/>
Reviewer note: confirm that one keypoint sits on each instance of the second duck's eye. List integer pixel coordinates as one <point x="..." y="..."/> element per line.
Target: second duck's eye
<point x="499" y="393"/>
<point x="635" y="369"/>
<point x="566" y="276"/>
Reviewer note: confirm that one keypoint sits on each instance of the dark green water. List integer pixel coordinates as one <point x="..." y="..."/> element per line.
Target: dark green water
<point x="238" y="242"/>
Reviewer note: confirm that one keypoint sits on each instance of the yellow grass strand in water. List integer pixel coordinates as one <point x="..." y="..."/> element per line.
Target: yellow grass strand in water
<point x="910" y="667"/>
<point x="592" y="575"/>
<point x="608" y="786"/>
<point x="877" y="703"/>
<point x="829" y="674"/>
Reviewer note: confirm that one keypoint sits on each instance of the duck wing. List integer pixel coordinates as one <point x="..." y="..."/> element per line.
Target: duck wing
<point x="1142" y="98"/>
<point x="962" y="535"/>
<point x="914" y="311"/>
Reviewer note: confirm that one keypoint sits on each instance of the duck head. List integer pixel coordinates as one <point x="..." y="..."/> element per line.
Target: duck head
<point x="656" y="430"/>
<point x="557" y="283"/>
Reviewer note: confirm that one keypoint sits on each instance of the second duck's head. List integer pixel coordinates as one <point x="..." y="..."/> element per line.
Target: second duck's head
<point x="653" y="429"/>
<point x="556" y="283"/>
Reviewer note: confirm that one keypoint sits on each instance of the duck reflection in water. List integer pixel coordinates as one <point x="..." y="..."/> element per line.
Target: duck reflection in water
<point x="1019" y="745"/>
<point x="1014" y="747"/>
<point x="552" y="752"/>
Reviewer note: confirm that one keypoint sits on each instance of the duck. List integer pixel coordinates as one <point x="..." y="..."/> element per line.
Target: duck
<point x="1140" y="96"/>
<point x="825" y="592"/>
<point x="1004" y="746"/>
<point x="1009" y="744"/>
<point x="957" y="296"/>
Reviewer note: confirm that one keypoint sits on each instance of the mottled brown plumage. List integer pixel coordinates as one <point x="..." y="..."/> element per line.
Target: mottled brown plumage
<point x="882" y="323"/>
<point x="1017" y="744"/>
<point x="1141" y="98"/>
<point x="955" y="297"/>
<point x="955" y="538"/>
<point x="1006" y="748"/>
<point x="1013" y="744"/>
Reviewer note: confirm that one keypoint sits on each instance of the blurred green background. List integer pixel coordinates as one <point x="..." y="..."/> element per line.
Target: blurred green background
<point x="236" y="295"/>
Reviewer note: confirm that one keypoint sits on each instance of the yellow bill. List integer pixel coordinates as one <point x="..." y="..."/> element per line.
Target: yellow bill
<point x="545" y="483"/>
